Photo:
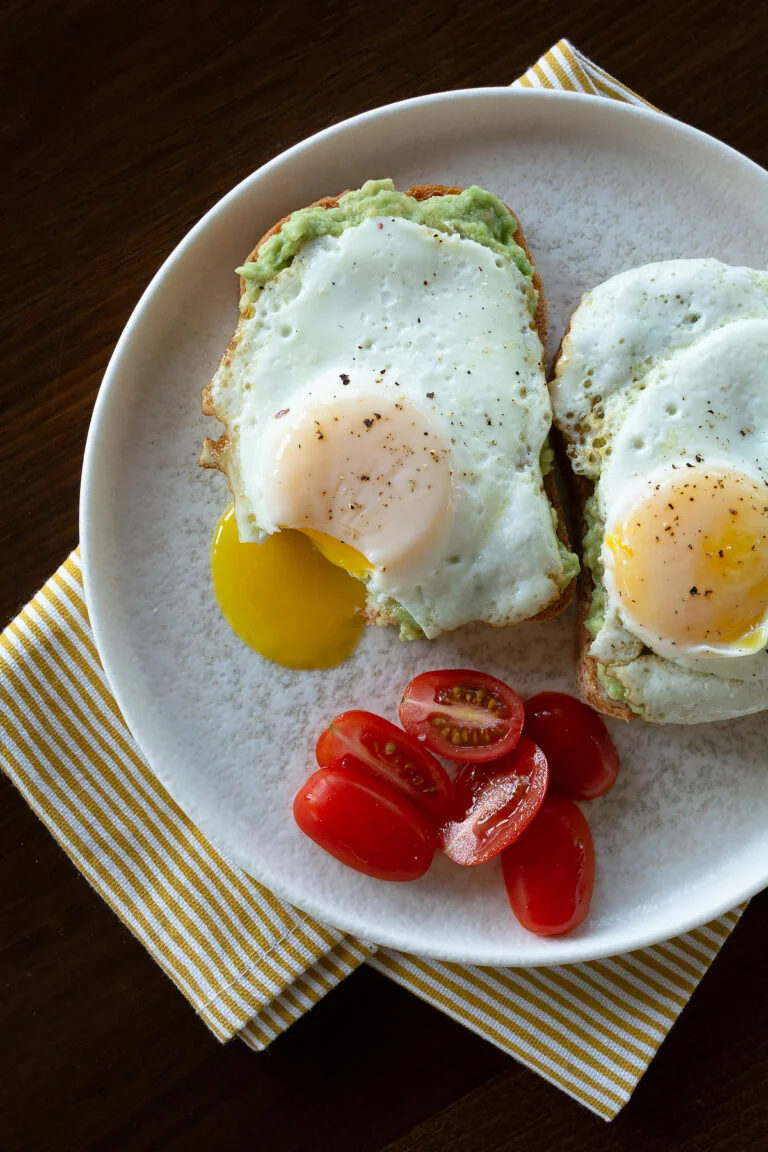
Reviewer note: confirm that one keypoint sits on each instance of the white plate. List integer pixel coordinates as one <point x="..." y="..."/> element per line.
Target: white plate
<point x="599" y="187"/>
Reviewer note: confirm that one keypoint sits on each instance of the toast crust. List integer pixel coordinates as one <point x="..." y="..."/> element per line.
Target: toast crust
<point x="214" y="452"/>
<point x="587" y="682"/>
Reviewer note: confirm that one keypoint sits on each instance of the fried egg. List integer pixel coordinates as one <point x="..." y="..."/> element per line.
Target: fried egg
<point x="662" y="391"/>
<point x="284" y="598"/>
<point x="385" y="396"/>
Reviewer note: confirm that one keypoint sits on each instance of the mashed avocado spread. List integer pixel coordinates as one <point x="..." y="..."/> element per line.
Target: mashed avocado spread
<point x="546" y="457"/>
<point x="612" y="688"/>
<point x="474" y="214"/>
<point x="393" y="613"/>
<point x="591" y="556"/>
<point x="569" y="560"/>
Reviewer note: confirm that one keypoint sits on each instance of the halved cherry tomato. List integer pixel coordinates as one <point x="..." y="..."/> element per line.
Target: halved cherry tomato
<point x="462" y="714"/>
<point x="583" y="761"/>
<point x="370" y="742"/>
<point x="494" y="803"/>
<point x="366" y="824"/>
<point x="550" y="869"/>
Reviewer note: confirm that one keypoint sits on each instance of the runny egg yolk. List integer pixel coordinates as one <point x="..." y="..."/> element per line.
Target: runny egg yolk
<point x="369" y="470"/>
<point x="285" y="599"/>
<point x="689" y="563"/>
<point x="342" y="555"/>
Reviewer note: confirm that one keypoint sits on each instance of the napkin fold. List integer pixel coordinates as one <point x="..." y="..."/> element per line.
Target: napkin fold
<point x="249" y="963"/>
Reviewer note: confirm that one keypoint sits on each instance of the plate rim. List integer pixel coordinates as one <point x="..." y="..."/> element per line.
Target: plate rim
<point x="580" y="949"/>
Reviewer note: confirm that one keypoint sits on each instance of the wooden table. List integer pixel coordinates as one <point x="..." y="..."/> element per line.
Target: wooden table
<point x="122" y="123"/>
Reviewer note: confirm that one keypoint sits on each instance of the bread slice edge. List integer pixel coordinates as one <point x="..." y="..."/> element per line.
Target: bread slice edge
<point x="587" y="680"/>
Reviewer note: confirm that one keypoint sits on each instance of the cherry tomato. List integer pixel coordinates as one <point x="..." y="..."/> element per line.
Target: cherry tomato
<point x="494" y="803"/>
<point x="583" y="761"/>
<point x="366" y="741"/>
<point x="462" y="715"/>
<point x="550" y="869"/>
<point x="366" y="824"/>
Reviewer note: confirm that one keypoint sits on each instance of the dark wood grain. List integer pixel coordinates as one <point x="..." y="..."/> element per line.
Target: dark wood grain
<point x="122" y="123"/>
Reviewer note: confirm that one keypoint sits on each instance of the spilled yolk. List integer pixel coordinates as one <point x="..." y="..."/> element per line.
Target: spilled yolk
<point x="287" y="600"/>
<point x="342" y="555"/>
<point x="690" y="563"/>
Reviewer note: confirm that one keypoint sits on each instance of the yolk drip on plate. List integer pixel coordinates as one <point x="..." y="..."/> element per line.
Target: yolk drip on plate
<point x="286" y="599"/>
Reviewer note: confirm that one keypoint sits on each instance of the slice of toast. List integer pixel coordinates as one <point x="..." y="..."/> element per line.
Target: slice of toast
<point x="579" y="490"/>
<point x="214" y="452"/>
<point x="587" y="682"/>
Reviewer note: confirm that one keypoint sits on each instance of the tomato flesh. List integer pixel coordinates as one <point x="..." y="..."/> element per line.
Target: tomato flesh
<point x="494" y="803"/>
<point x="366" y="824"/>
<point x="369" y="742"/>
<point x="582" y="757"/>
<point x="462" y="714"/>
<point x="549" y="871"/>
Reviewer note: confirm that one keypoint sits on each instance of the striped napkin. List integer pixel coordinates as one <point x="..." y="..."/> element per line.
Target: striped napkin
<point x="248" y="963"/>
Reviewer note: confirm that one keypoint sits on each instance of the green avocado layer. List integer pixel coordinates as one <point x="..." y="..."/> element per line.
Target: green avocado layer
<point x="546" y="457"/>
<point x="394" y="613"/>
<point x="612" y="688"/>
<point x="591" y="545"/>
<point x="474" y="214"/>
<point x="571" y="566"/>
<point x="569" y="560"/>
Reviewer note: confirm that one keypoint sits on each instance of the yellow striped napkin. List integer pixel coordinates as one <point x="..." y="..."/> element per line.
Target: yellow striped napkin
<point x="249" y="964"/>
<point x="567" y="68"/>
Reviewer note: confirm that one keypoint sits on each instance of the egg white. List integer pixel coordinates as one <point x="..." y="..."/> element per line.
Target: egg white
<point x="626" y="326"/>
<point x="666" y="367"/>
